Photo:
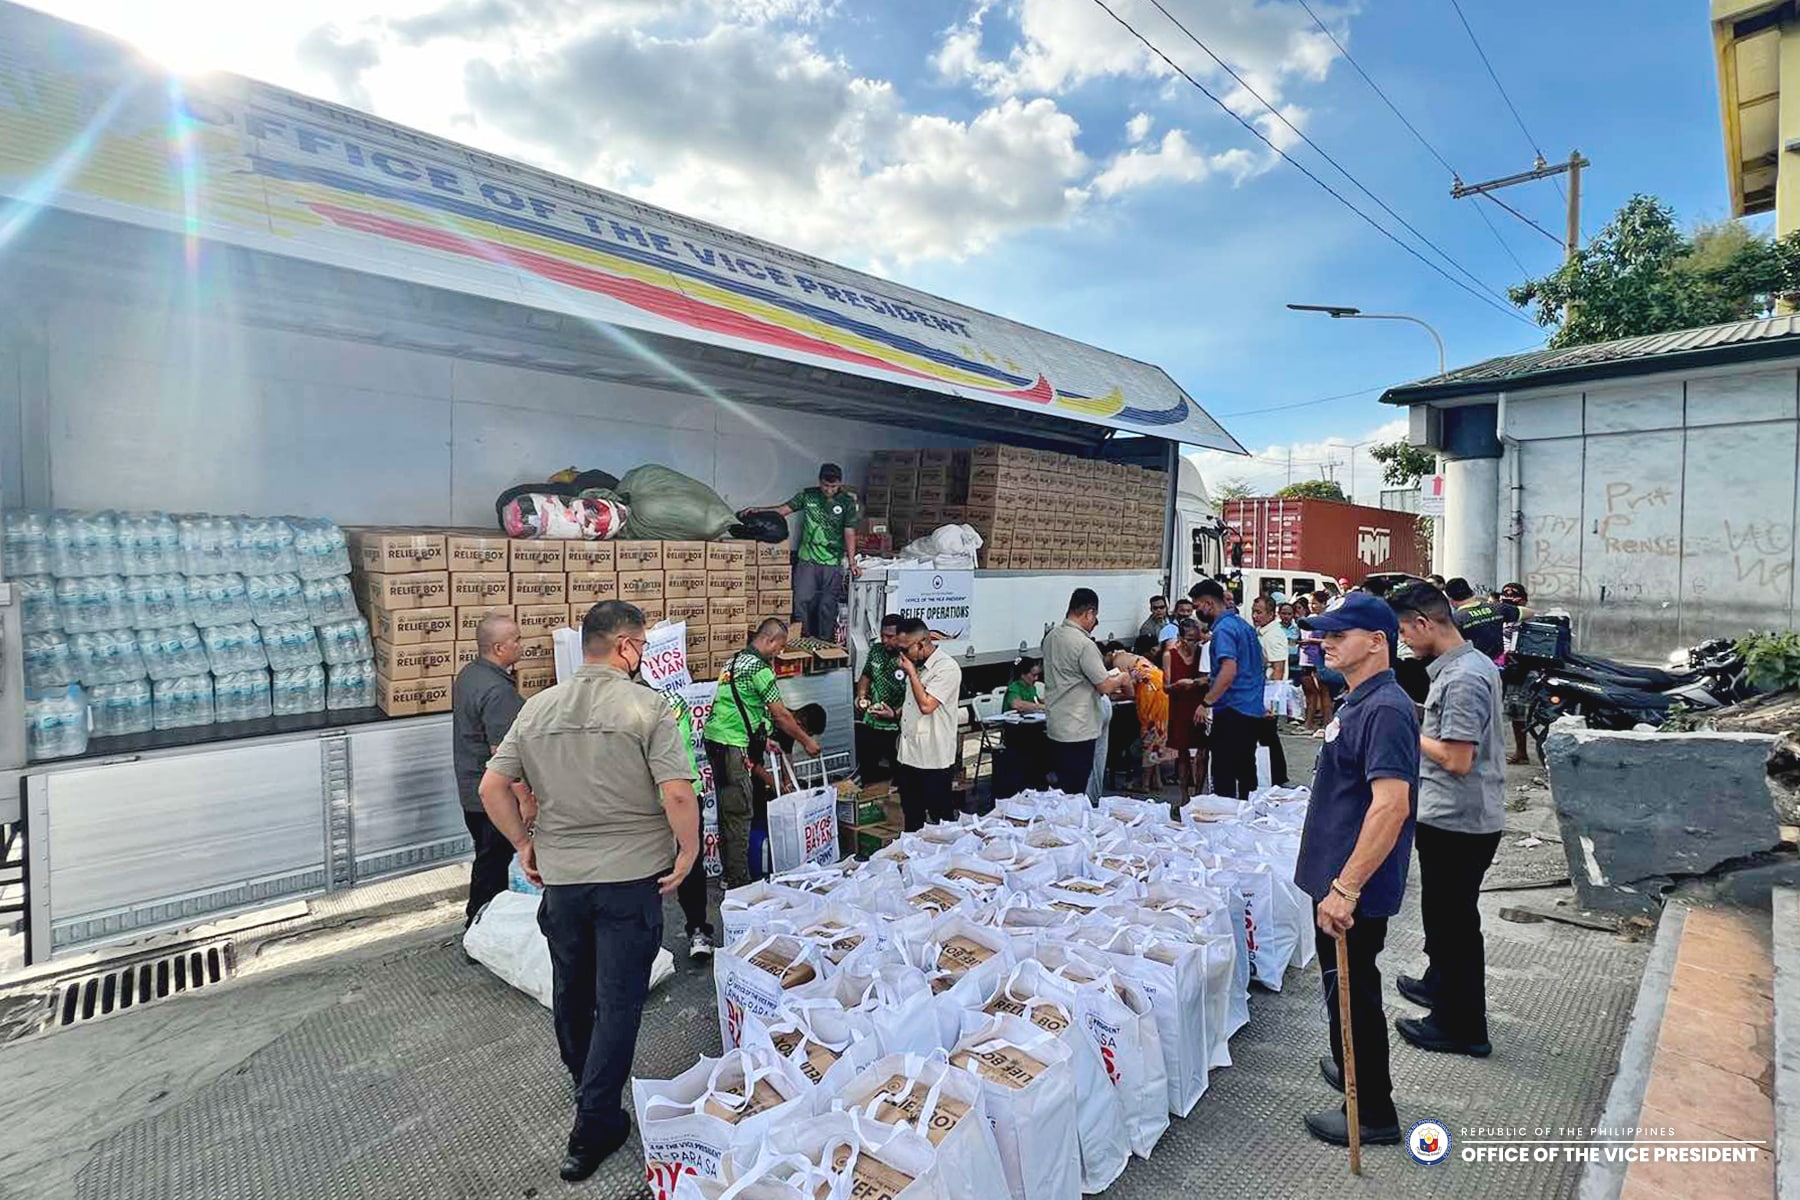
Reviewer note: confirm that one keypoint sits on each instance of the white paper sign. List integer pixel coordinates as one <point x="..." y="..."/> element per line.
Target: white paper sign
<point x="665" y="656"/>
<point x="1431" y="496"/>
<point x="942" y="599"/>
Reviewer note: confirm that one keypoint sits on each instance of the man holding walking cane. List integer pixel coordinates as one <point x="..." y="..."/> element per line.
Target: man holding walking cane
<point x="1355" y="848"/>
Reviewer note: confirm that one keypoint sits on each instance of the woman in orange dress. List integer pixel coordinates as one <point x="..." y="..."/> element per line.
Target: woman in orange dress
<point x="1152" y="704"/>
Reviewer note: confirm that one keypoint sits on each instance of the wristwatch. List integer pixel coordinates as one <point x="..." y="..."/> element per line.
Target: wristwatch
<point x="863" y="703"/>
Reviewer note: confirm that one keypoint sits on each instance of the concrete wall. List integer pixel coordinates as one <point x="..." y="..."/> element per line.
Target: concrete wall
<point x="1660" y="511"/>
<point x="148" y="408"/>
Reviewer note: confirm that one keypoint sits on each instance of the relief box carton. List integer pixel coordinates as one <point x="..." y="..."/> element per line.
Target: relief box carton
<point x="590" y="556"/>
<point x="638" y="557"/>
<point x="413" y="589"/>
<point x="395" y="552"/>
<point x="655" y="611"/>
<point x="536" y="554"/>
<point x="773" y="552"/>
<point x="411" y="697"/>
<point x="727" y="610"/>
<point x="413" y="626"/>
<point x="425" y="660"/>
<point x="532" y="680"/>
<point x="725" y="556"/>
<point x="469" y="589"/>
<point x="468" y="618"/>
<point x="727" y="584"/>
<point x="537" y="652"/>
<point x="684" y="556"/>
<point x="540" y="587"/>
<point x="775" y="577"/>
<point x="466" y="653"/>
<point x="540" y="620"/>
<point x="638" y="586"/>
<point x="473" y="552"/>
<point x="684" y="584"/>
<point x="588" y="588"/>
<point x="692" y="609"/>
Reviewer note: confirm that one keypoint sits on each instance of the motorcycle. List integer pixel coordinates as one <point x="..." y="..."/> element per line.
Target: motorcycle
<point x="1559" y="681"/>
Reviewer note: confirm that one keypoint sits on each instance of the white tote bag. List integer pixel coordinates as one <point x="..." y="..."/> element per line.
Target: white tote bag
<point x="754" y="975"/>
<point x="943" y="1104"/>
<point x="505" y="939"/>
<point x="849" y="1156"/>
<point x="803" y="827"/>
<point x="893" y="996"/>
<point x="1118" y="1017"/>
<point x="689" y="1124"/>
<point x="1028" y="1084"/>
<point x="1172" y="977"/>
<point x="762" y="903"/>
<point x="823" y="1046"/>
<point x="1033" y="994"/>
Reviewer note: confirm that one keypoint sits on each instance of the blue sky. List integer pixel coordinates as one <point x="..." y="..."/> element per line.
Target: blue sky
<point x="1028" y="157"/>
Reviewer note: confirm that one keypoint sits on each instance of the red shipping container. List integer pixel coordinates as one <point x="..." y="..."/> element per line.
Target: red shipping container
<point x="1341" y="540"/>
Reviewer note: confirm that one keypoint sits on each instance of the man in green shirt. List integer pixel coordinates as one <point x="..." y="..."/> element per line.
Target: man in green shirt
<point x="880" y="691"/>
<point x="828" y="517"/>
<point x="747" y="706"/>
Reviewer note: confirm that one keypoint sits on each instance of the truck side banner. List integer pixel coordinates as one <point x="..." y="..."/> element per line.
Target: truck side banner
<point x="88" y="126"/>
<point x="944" y="600"/>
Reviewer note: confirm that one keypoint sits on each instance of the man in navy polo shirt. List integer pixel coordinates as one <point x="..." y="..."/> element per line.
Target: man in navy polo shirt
<point x="1355" y="848"/>
<point x="1236" y="694"/>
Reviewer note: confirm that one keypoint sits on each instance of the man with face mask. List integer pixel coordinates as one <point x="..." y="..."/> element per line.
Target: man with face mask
<point x="618" y="828"/>
<point x="929" y="743"/>
<point x="1074" y="675"/>
<point x="828" y="517"/>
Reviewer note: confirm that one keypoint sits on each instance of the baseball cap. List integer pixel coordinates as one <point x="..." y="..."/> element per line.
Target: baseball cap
<point x="1357" y="610"/>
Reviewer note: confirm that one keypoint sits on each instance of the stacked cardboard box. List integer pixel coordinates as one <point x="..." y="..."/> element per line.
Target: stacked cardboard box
<point x="772" y="584"/>
<point x="1035" y="510"/>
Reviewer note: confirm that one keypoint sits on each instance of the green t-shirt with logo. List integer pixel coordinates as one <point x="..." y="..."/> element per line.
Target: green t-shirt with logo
<point x="823" y="520"/>
<point x="887" y="685"/>
<point x="756" y="688"/>
<point x="684" y="721"/>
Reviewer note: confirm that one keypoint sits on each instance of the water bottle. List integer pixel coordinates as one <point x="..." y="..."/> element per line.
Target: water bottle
<point x="232" y="648"/>
<point x="149" y="544"/>
<point x="184" y="702"/>
<point x="56" y="723"/>
<point x="320" y="550"/>
<point x="49" y="661"/>
<point x="276" y="598"/>
<point x="241" y="696"/>
<point x="37" y="604"/>
<point x="109" y="656"/>
<point x="266" y="546"/>
<point x="209" y="544"/>
<point x="217" y="600"/>
<point x="117" y="709"/>
<point x="345" y="641"/>
<point x="90" y="603"/>
<point x="173" y="652"/>
<point x="26" y="548"/>
<point x="350" y="685"/>
<point x="157" y="601"/>
<point x="328" y="600"/>
<point x="291" y="644"/>
<point x="299" y="690"/>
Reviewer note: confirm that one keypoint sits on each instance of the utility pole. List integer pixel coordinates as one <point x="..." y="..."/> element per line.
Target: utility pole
<point x="1571" y="243"/>
<point x="1290" y="469"/>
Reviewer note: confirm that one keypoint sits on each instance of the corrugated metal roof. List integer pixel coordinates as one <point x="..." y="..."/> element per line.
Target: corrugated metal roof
<point x="1757" y="338"/>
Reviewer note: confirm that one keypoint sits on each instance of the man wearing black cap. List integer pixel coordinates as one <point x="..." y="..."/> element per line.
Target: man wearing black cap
<point x="1355" y="847"/>
<point x="828" y="517"/>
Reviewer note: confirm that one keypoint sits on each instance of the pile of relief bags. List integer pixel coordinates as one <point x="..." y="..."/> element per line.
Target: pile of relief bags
<point x="1008" y="1006"/>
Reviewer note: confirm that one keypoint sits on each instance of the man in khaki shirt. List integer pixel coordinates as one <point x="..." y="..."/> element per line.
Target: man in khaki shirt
<point x="616" y="807"/>
<point x="1075" y="676"/>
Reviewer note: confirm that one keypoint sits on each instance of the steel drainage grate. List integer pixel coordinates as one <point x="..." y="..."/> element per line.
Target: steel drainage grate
<point x="145" y="981"/>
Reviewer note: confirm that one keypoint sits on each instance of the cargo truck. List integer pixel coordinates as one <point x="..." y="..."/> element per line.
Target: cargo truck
<point x="221" y="296"/>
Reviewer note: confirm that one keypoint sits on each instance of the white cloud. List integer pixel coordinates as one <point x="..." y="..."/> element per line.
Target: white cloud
<point x="1173" y="160"/>
<point x="344" y="62"/>
<point x="1267" y="469"/>
<point x="1138" y="128"/>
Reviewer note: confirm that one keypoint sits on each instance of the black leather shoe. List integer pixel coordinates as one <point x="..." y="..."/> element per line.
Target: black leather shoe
<point x="583" y="1159"/>
<point x="1415" y="991"/>
<point x="1330" y="1073"/>
<point x="1334" y="1127"/>
<point x="1426" y="1036"/>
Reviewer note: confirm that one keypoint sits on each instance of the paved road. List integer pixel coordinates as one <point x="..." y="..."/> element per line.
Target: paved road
<point x="399" y="1070"/>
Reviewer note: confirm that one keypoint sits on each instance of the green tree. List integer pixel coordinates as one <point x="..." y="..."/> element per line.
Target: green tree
<point x="1642" y="275"/>
<point x="1313" y="489"/>
<point x="1232" y="489"/>
<point x="1402" y="463"/>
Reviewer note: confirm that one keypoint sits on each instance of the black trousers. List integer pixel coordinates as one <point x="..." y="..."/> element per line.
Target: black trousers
<point x="875" y="751"/>
<point x="603" y="939"/>
<point x="1270" y="735"/>
<point x="1374" y="1083"/>
<point x="692" y="894"/>
<point x="1072" y="763"/>
<point x="493" y="860"/>
<point x="1234" y="739"/>
<point x="925" y="794"/>
<point x="1451" y="867"/>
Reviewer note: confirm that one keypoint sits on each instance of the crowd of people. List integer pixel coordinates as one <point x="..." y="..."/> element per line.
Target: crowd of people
<point x="593" y="784"/>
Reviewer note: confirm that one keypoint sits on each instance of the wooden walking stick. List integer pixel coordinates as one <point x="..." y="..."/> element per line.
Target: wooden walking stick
<point x="1349" y="1044"/>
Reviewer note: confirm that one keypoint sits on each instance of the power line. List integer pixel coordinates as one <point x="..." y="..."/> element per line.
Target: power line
<point x="1320" y="151"/>
<point x="1331" y="191"/>
<point x="1515" y="212"/>
<point x="1501" y="88"/>
<point x="1412" y="129"/>
<point x="1248" y="412"/>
